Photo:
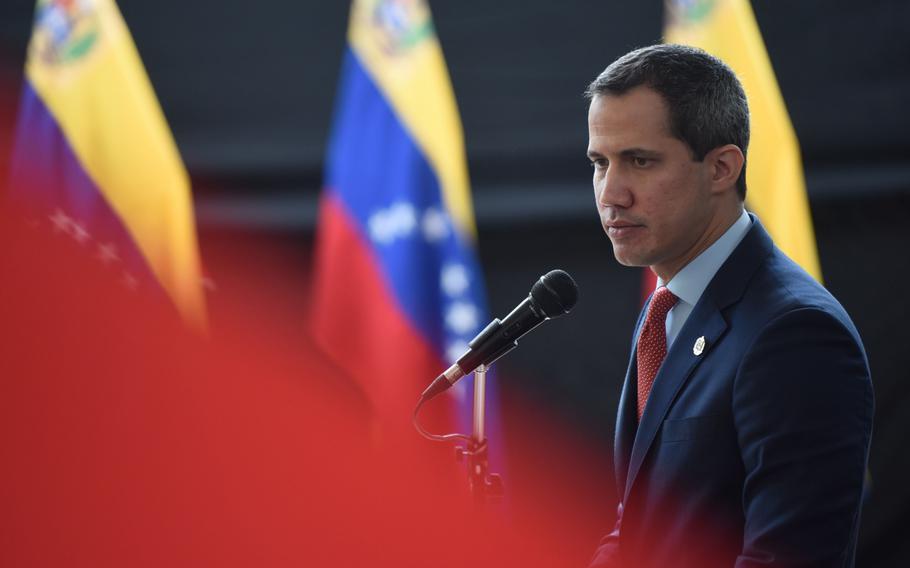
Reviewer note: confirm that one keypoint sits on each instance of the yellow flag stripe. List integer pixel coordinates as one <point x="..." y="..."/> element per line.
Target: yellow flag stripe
<point x="106" y="108"/>
<point x="416" y="83"/>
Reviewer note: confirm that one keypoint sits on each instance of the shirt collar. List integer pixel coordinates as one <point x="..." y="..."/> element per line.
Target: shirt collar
<point x="690" y="282"/>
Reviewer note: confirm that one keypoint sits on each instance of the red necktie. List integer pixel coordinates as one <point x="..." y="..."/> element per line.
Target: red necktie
<point x="652" y="343"/>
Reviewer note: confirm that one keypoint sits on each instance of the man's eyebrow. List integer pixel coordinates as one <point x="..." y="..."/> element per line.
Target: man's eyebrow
<point x="640" y="152"/>
<point x="628" y="152"/>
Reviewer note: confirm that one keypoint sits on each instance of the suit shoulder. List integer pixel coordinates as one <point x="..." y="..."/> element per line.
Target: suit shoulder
<point x="804" y="345"/>
<point x="780" y="286"/>
<point x="781" y="299"/>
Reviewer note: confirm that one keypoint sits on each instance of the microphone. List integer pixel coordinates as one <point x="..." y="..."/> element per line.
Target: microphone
<point x="553" y="295"/>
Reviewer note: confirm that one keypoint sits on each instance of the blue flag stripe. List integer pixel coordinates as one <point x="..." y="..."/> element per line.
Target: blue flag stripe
<point x="389" y="188"/>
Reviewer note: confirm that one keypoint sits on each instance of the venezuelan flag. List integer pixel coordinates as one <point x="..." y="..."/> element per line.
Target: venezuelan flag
<point x="398" y="289"/>
<point x="93" y="153"/>
<point x="776" y="187"/>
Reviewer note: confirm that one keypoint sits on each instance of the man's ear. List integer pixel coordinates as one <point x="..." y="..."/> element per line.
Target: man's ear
<point x="726" y="164"/>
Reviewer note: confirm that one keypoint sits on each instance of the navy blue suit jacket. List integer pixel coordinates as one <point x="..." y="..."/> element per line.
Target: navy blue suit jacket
<point x="752" y="452"/>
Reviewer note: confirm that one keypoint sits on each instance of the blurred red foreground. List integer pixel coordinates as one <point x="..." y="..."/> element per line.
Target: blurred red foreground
<point x="128" y="441"/>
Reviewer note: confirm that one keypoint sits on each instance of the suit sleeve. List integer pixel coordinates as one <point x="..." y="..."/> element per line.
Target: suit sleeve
<point x="607" y="553"/>
<point x="803" y="405"/>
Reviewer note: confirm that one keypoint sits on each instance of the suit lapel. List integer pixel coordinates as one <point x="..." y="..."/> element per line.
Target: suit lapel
<point x="705" y="320"/>
<point x="626" y="422"/>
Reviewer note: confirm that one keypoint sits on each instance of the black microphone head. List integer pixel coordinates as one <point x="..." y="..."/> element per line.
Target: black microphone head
<point x="555" y="293"/>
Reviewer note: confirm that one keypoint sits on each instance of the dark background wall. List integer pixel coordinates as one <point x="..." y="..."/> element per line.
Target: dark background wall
<point x="248" y="90"/>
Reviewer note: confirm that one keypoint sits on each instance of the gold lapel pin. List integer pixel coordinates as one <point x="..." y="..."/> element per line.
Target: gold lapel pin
<point x="699" y="346"/>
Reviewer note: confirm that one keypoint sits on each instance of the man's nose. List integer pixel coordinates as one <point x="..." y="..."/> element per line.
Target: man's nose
<point x="613" y="190"/>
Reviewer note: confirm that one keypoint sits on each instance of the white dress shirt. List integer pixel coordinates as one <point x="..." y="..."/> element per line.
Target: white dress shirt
<point x="690" y="282"/>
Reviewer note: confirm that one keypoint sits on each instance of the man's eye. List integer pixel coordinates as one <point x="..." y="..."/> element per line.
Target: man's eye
<point x="599" y="164"/>
<point x="640" y="162"/>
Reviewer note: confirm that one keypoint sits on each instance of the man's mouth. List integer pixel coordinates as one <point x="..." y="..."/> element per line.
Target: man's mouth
<point x="621" y="229"/>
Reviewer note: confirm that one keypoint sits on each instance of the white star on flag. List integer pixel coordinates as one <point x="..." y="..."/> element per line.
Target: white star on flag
<point x="461" y="317"/>
<point x="108" y="253"/>
<point x="79" y="233"/>
<point x="61" y="221"/>
<point x="130" y="281"/>
<point x="399" y="220"/>
<point x="435" y="225"/>
<point x="454" y="279"/>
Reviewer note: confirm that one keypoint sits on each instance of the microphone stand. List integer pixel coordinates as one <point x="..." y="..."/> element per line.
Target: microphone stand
<point x="485" y="486"/>
<point x="552" y="295"/>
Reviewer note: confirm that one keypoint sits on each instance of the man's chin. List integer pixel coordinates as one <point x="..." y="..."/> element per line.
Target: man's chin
<point x="630" y="260"/>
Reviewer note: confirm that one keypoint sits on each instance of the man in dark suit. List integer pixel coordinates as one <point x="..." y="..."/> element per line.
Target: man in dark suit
<point x="746" y="414"/>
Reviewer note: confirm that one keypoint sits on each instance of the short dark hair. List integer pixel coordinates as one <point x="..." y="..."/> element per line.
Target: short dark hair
<point x="706" y="103"/>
